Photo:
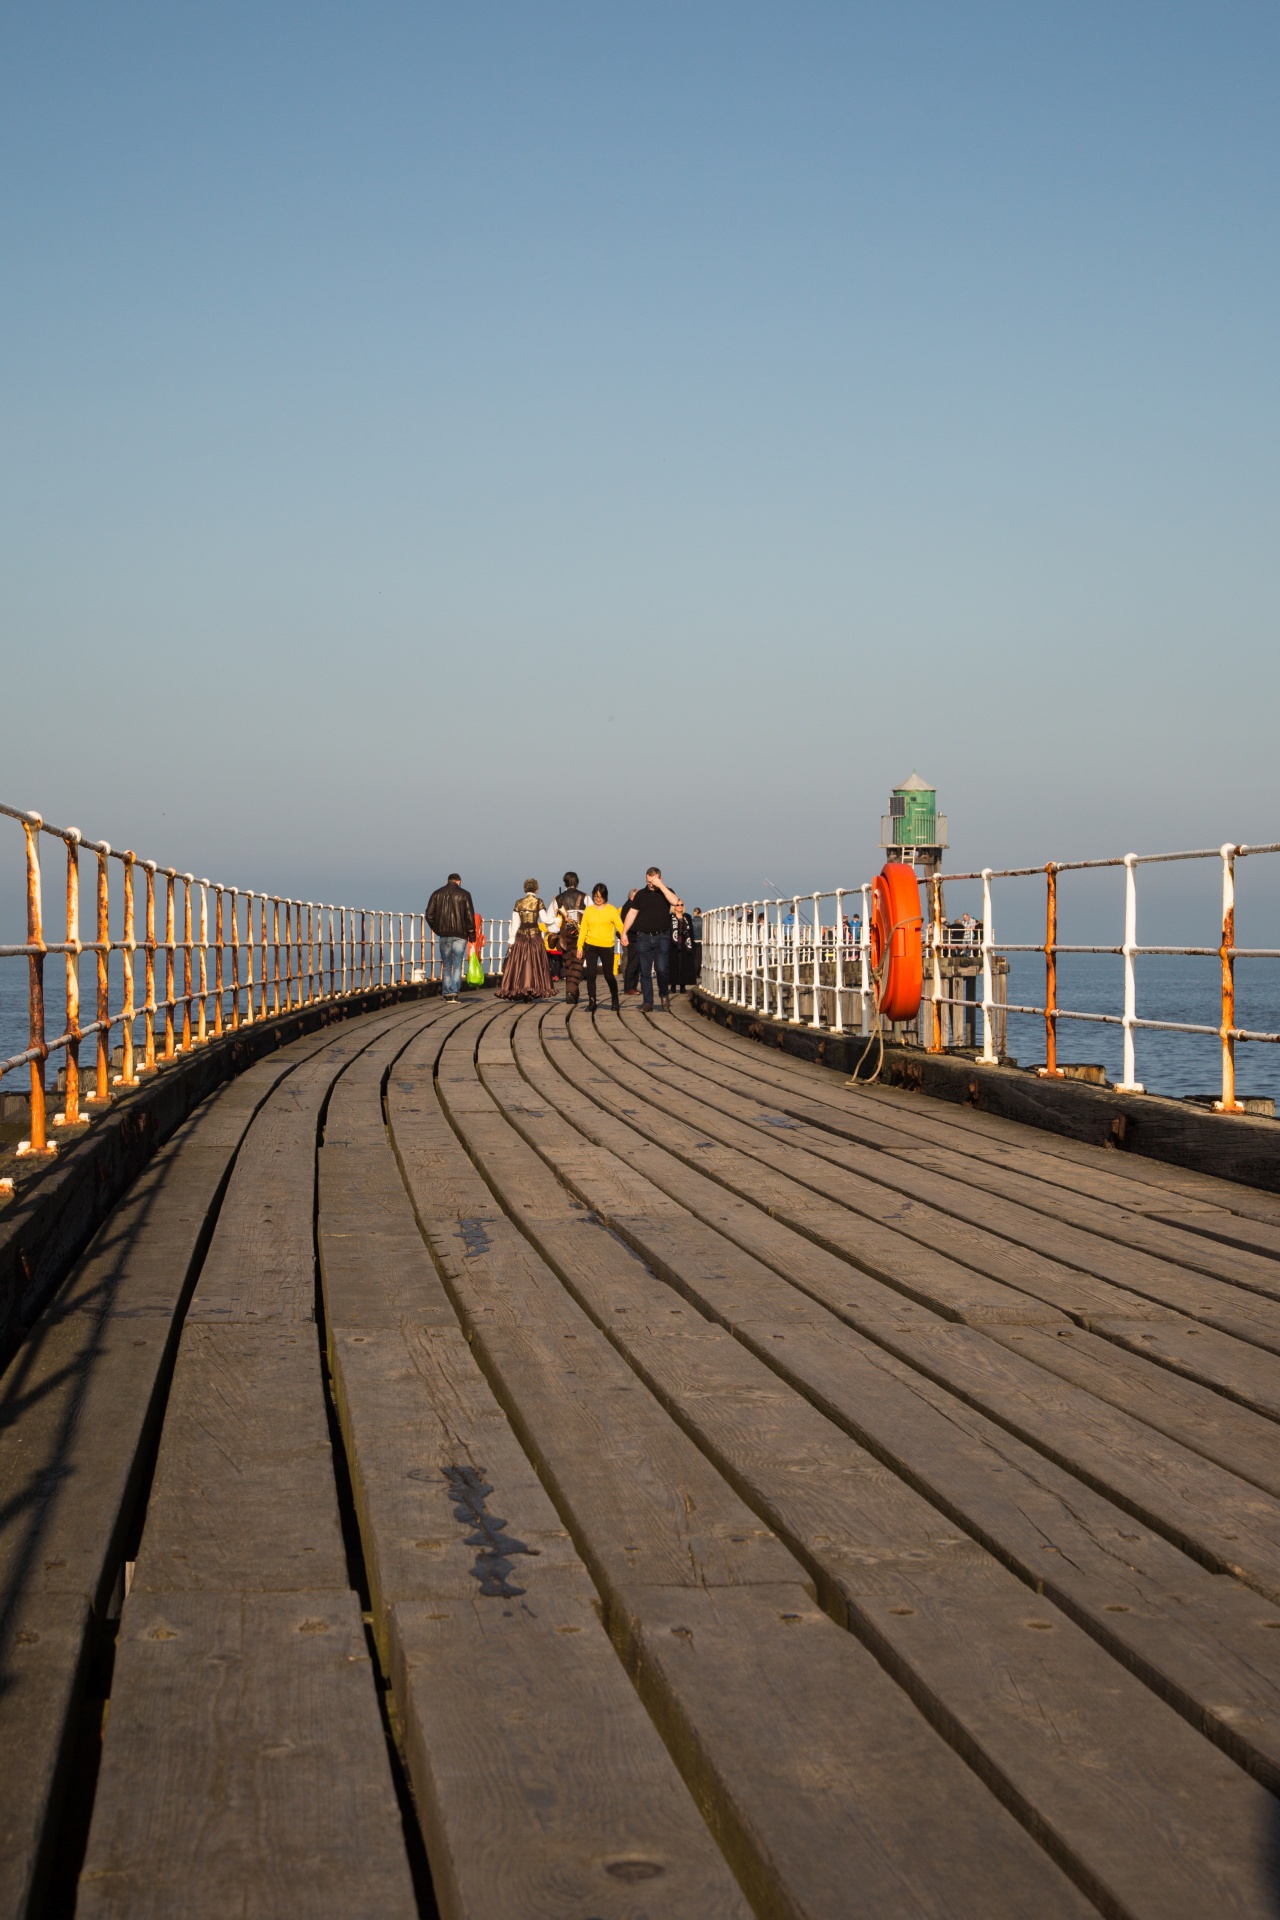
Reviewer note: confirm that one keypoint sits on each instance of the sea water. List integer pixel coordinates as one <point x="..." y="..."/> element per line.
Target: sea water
<point x="1169" y="987"/>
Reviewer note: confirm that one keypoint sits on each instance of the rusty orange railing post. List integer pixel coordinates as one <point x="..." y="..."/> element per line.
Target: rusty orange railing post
<point x="935" y="888"/>
<point x="128" y="1077"/>
<point x="275" y="953"/>
<point x="186" y="962"/>
<point x="333" y="980"/>
<point x="249" y="1009"/>
<point x="1051" y="970"/>
<point x="264" y="985"/>
<point x="219" y="935"/>
<point x="235" y="959"/>
<point x="170" y="963"/>
<point x="149" y="945"/>
<point x="71" y="1101"/>
<point x="39" y="1142"/>
<point x="202" y="991"/>
<point x="102" y="1091"/>
<point x="1227" y="956"/>
<point x="288" y="954"/>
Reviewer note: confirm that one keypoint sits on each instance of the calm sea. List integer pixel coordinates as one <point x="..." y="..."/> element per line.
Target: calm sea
<point x="1169" y="988"/>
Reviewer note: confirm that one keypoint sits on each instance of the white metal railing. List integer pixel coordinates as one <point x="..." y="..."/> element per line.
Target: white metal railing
<point x="807" y="960"/>
<point x="231" y="965"/>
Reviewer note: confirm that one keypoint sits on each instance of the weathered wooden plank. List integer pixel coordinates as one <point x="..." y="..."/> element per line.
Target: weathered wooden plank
<point x="541" y="1783"/>
<point x="45" y="1638"/>
<point x="1078" y="1289"/>
<point x="543" y="1787"/>
<point x="79" y="1408"/>
<point x="242" y="1567"/>
<point x="592" y="1433"/>
<point x="1168" y="1183"/>
<point x="1230" y="1366"/>
<point x="1232" y="1436"/>
<point x="901" y="1122"/>
<point x="1245" y="1150"/>
<point x="1096" y="1764"/>
<point x="244" y="1768"/>
<point x="244" y="1497"/>
<point x="1200" y="1640"/>
<point x="1005" y="1238"/>
<point x="1199" y="1507"/>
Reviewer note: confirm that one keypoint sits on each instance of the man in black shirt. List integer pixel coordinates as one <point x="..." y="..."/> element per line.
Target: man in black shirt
<point x="647" y="922"/>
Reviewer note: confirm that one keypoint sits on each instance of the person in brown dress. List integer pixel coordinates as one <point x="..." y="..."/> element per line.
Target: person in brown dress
<point x="525" y="973"/>
<point x="571" y="902"/>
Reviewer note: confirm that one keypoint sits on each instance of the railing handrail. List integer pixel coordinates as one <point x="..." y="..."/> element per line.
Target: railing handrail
<point x="744" y="941"/>
<point x="354" y="950"/>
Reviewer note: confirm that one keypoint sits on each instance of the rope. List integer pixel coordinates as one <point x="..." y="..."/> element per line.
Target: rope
<point x="879" y="975"/>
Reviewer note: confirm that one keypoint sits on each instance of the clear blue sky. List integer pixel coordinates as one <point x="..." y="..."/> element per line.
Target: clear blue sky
<point x="510" y="437"/>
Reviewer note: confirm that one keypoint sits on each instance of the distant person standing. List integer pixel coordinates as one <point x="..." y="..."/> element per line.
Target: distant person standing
<point x="525" y="973"/>
<point x="451" y="916"/>
<point x="550" y="921"/>
<point x="648" y="921"/>
<point x="681" y="948"/>
<point x="601" y="926"/>
<point x="571" y="903"/>
<point x="631" y="971"/>
<point x="695" y="919"/>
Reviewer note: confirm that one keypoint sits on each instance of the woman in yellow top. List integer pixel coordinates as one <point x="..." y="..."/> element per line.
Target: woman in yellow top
<point x="600" y="923"/>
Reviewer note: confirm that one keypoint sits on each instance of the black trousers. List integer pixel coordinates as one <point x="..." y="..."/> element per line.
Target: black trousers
<point x="600" y="957"/>
<point x="631" y="964"/>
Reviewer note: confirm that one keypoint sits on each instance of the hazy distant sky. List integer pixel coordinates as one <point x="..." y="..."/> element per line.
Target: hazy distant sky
<point x="517" y="436"/>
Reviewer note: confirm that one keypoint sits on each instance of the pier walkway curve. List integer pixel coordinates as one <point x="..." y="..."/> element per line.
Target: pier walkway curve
<point x="500" y="1460"/>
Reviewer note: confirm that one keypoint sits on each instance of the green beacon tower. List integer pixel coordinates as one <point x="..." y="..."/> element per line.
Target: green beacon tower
<point x="913" y="829"/>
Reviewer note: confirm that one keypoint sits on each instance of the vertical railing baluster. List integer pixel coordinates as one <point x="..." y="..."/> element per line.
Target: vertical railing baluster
<point x="1227" y="956"/>
<point x="816" y="1017"/>
<point x="102" y="1089"/>
<point x="219" y="937"/>
<point x="1130" y="1082"/>
<point x="1051" y="970"/>
<point x="39" y="1142"/>
<point x="128" y="947"/>
<point x="935" y="887"/>
<point x="187" y="942"/>
<point x="170" y="943"/>
<point x="149" y="974"/>
<point x="988" y="978"/>
<point x="795" y="959"/>
<point x="249" y="1009"/>
<point x="202" y="1001"/>
<point x="71" y="1068"/>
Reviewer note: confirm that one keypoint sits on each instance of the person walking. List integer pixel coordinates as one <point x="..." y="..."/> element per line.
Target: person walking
<point x="451" y="916"/>
<point x="571" y="903"/>
<point x="631" y="971"/>
<point x="601" y="925"/>
<point x="681" y="948"/>
<point x="649" y="918"/>
<point x="525" y="973"/>
<point x="550" y="921"/>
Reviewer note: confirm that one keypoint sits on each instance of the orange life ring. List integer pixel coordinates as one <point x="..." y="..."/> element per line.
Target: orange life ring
<point x="897" y="948"/>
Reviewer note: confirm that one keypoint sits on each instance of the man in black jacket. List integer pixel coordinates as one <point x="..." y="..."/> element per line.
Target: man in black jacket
<point x="648" y="921"/>
<point x="452" y="918"/>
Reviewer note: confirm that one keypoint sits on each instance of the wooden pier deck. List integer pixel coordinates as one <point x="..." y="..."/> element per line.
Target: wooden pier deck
<point x="606" y="1470"/>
